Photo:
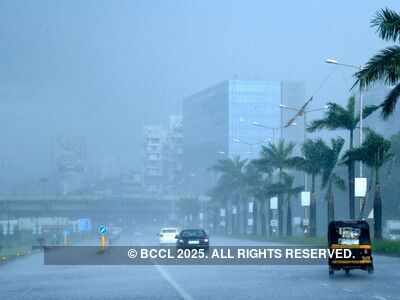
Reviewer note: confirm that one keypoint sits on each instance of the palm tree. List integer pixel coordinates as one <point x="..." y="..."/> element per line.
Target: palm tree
<point x="254" y="188"/>
<point x="290" y="192"/>
<point x="188" y="207"/>
<point x="385" y="65"/>
<point x="339" y="117"/>
<point x="232" y="181"/>
<point x="277" y="157"/>
<point x="311" y="163"/>
<point x="374" y="152"/>
<point x="330" y="179"/>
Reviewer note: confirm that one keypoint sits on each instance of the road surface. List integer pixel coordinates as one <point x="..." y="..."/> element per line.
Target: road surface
<point x="28" y="278"/>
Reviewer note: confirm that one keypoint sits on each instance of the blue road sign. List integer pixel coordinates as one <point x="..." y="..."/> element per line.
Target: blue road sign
<point x="102" y="229"/>
<point x="84" y="225"/>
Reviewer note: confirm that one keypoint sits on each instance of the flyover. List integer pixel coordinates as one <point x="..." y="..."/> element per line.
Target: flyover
<point x="144" y="205"/>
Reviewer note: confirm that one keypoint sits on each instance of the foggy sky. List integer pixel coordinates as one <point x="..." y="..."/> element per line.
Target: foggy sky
<point x="103" y="69"/>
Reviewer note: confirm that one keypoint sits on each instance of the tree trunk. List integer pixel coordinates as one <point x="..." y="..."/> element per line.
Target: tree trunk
<point x="377" y="207"/>
<point x="289" y="218"/>
<point x="263" y="216"/>
<point x="227" y="217"/>
<point x="331" y="206"/>
<point x="255" y="215"/>
<point x="280" y="210"/>
<point x="351" y="175"/>
<point x="269" y="215"/>
<point x="280" y="215"/>
<point x="244" y="217"/>
<point x="313" y="208"/>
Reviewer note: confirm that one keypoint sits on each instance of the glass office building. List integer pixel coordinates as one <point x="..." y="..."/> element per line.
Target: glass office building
<point x="221" y="122"/>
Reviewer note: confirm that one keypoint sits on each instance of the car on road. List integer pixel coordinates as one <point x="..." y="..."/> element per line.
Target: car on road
<point x="193" y="238"/>
<point x="168" y="236"/>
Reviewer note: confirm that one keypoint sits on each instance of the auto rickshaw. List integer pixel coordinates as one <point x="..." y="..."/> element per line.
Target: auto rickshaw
<point x="353" y="235"/>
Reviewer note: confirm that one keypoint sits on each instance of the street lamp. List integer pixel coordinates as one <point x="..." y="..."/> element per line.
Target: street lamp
<point x="267" y="127"/>
<point x="239" y="141"/>
<point x="273" y="129"/>
<point x="303" y="112"/>
<point x="335" y="62"/>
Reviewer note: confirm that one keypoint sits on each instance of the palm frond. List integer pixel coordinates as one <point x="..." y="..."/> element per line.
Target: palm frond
<point x="389" y="104"/>
<point x="387" y="23"/>
<point x="383" y="66"/>
<point x="339" y="182"/>
<point x="351" y="104"/>
<point x="369" y="109"/>
<point x="336" y="117"/>
<point x="374" y="151"/>
<point x="331" y="160"/>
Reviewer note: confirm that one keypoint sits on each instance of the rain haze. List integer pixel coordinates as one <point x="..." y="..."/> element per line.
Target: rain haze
<point x="103" y="69"/>
<point x="122" y="121"/>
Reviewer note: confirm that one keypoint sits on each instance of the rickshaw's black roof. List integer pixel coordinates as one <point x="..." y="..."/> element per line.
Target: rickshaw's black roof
<point x="363" y="225"/>
<point x="349" y="223"/>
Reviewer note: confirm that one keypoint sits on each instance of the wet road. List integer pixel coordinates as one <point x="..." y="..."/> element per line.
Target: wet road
<point x="28" y="278"/>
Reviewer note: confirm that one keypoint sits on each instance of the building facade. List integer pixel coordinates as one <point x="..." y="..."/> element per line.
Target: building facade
<point x="173" y="151"/>
<point x="154" y="138"/>
<point x="235" y="118"/>
<point x="163" y="156"/>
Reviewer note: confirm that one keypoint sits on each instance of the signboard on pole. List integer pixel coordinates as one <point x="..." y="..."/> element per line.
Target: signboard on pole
<point x="273" y="203"/>
<point x="360" y="187"/>
<point x="102" y="229"/>
<point x="251" y="207"/>
<point x="274" y="223"/>
<point x="296" y="221"/>
<point x="84" y="225"/>
<point x="222" y="212"/>
<point x="305" y="198"/>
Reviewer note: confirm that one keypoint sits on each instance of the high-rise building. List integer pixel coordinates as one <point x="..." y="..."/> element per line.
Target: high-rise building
<point x="234" y="118"/>
<point x="153" y="161"/>
<point x="173" y="150"/>
<point x="163" y="156"/>
<point x="71" y="164"/>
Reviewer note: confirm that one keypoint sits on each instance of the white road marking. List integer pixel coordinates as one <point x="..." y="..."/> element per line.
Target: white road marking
<point x="173" y="283"/>
<point x="324" y="284"/>
<point x="348" y="290"/>
<point x="379" y="297"/>
<point x="185" y="295"/>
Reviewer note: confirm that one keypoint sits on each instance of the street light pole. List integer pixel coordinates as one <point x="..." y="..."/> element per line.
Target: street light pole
<point x="273" y="129"/>
<point x="304" y="113"/>
<point x="361" y="100"/>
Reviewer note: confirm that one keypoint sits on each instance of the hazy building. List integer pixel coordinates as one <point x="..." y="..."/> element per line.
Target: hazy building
<point x="234" y="118"/>
<point x="71" y="163"/>
<point x="154" y="138"/>
<point x="173" y="151"/>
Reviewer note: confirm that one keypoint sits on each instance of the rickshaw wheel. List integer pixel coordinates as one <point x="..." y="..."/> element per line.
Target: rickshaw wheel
<point x="370" y="269"/>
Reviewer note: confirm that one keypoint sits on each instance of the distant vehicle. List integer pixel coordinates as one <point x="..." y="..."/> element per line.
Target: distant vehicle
<point x="392" y="230"/>
<point x="352" y="235"/>
<point x="168" y="236"/>
<point x="193" y="238"/>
